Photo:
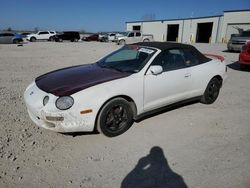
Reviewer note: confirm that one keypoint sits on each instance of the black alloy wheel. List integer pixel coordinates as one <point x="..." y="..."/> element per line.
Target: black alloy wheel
<point x="212" y="91"/>
<point x="115" y="118"/>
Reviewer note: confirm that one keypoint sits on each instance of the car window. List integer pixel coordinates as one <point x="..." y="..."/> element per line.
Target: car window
<point x="131" y="35"/>
<point x="43" y="33"/>
<point x="172" y="59"/>
<point x="7" y="35"/>
<point x="190" y="59"/>
<point x="138" y="34"/>
<point x="112" y="35"/>
<point x="127" y="59"/>
<point x="245" y="34"/>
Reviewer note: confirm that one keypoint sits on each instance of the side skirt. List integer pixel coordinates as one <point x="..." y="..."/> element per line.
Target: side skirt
<point x="167" y="108"/>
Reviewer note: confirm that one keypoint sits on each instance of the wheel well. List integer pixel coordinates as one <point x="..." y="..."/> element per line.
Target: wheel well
<point x="219" y="78"/>
<point x="127" y="98"/>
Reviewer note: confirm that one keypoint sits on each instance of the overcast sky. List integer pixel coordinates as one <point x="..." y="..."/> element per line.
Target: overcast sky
<point x="104" y="15"/>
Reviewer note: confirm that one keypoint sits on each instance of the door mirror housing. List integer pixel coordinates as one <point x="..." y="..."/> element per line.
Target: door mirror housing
<point x="155" y="69"/>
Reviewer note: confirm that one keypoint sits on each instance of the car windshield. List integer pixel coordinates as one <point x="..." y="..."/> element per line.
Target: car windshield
<point x="130" y="58"/>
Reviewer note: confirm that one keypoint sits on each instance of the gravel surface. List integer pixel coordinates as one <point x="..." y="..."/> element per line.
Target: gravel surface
<point x="193" y="146"/>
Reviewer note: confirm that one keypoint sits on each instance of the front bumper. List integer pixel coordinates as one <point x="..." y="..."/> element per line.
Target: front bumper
<point x="234" y="47"/>
<point x="51" y="118"/>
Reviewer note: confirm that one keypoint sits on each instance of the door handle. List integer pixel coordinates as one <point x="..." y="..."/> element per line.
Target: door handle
<point x="187" y="75"/>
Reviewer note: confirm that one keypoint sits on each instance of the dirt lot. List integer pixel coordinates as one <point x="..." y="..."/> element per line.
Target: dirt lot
<point x="193" y="146"/>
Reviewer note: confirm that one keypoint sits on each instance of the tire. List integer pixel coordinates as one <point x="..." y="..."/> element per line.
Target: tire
<point x="212" y="91"/>
<point x="115" y="117"/>
<point x="33" y="39"/>
<point x="51" y="39"/>
<point x="122" y="42"/>
<point x="146" y="40"/>
<point x="15" y="41"/>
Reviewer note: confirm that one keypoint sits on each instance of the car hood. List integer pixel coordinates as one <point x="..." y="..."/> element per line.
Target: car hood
<point x="70" y="80"/>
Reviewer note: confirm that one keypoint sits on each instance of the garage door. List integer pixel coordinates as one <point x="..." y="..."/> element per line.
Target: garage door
<point x="231" y="29"/>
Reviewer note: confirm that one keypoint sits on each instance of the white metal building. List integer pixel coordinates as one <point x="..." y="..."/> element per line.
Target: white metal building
<point x="211" y="29"/>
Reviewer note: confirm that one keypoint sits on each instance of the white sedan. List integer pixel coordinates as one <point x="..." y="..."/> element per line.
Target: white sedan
<point x="112" y="93"/>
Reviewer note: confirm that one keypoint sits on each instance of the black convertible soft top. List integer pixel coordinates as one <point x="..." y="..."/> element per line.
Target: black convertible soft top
<point x="172" y="45"/>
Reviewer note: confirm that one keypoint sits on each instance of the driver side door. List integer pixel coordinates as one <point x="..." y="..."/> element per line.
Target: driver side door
<point x="171" y="85"/>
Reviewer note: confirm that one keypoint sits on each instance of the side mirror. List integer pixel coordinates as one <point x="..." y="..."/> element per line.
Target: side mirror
<point x="155" y="69"/>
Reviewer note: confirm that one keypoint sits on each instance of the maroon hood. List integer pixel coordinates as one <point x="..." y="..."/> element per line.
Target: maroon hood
<point x="70" y="80"/>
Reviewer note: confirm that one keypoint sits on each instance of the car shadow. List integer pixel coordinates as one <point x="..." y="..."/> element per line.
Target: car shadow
<point x="233" y="52"/>
<point x="167" y="109"/>
<point x="236" y="66"/>
<point x="74" y="134"/>
<point x="153" y="171"/>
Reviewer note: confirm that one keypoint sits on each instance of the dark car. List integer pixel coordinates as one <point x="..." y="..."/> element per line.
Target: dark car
<point x="72" y="36"/>
<point x="10" y="38"/>
<point x="94" y="37"/>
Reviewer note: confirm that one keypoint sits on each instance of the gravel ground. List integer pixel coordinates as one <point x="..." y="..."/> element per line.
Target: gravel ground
<point x="193" y="146"/>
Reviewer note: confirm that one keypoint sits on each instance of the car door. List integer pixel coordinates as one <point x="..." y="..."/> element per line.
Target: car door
<point x="201" y="73"/>
<point x="171" y="85"/>
<point x="130" y="38"/>
<point x="138" y="37"/>
<point x="43" y="35"/>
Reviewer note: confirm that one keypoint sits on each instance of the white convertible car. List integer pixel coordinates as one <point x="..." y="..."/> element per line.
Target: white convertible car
<point x="112" y="93"/>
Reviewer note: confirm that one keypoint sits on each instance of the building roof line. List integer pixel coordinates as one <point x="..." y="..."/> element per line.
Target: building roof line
<point x="175" y="19"/>
<point x="243" y="10"/>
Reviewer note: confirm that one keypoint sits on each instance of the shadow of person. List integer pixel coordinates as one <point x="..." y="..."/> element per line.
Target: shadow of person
<point x="153" y="171"/>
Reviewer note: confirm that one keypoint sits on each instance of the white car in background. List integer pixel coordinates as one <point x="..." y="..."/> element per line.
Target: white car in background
<point x="112" y="36"/>
<point x="41" y="35"/>
<point x="122" y="87"/>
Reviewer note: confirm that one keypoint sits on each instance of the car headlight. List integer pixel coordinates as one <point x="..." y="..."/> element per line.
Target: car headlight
<point x="64" y="103"/>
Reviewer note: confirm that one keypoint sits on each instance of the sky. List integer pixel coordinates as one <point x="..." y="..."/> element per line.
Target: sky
<point x="103" y="15"/>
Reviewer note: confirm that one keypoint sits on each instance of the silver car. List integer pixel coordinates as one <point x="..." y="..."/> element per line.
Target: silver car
<point x="237" y="41"/>
<point x="10" y="38"/>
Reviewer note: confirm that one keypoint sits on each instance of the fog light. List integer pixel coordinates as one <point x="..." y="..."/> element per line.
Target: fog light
<point x="51" y="118"/>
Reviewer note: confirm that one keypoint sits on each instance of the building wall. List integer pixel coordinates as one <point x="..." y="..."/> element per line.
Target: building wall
<point x="241" y="19"/>
<point x="223" y="27"/>
<point x="165" y="29"/>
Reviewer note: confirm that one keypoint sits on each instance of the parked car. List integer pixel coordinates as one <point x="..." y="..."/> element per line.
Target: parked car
<point x="72" y="36"/>
<point x="244" y="57"/>
<point x="10" y="38"/>
<point x="132" y="37"/>
<point x="42" y="35"/>
<point x="238" y="40"/>
<point x="25" y="34"/>
<point x="103" y="38"/>
<point x="122" y="87"/>
<point x="112" y="36"/>
<point x="94" y="37"/>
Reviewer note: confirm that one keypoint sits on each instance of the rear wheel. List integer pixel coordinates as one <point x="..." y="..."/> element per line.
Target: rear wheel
<point x="15" y="41"/>
<point x="115" y="117"/>
<point x="51" y="39"/>
<point x="212" y="91"/>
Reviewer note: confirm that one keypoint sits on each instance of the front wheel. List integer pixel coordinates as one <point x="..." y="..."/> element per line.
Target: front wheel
<point x="33" y="39"/>
<point x="115" y="117"/>
<point x="212" y="91"/>
<point x="122" y="42"/>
